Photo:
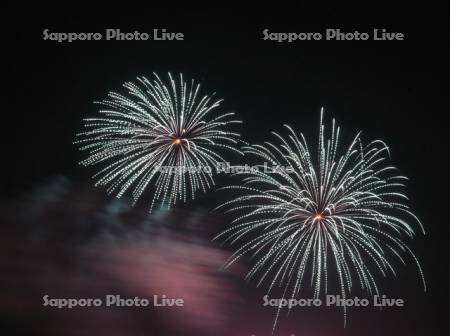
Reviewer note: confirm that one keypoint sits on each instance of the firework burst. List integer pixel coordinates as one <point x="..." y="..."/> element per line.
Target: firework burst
<point x="342" y="211"/>
<point x="163" y="135"/>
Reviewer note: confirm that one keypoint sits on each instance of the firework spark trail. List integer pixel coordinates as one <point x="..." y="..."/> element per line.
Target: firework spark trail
<point x="167" y="136"/>
<point x="345" y="208"/>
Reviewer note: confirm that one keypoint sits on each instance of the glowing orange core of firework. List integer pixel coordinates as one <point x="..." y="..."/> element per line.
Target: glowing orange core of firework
<point x="319" y="217"/>
<point x="177" y="141"/>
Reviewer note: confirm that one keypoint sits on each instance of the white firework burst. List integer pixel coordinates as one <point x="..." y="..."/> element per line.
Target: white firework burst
<point x="341" y="211"/>
<point x="166" y="136"/>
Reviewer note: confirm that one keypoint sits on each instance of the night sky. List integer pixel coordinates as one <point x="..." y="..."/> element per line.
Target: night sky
<point x="391" y="90"/>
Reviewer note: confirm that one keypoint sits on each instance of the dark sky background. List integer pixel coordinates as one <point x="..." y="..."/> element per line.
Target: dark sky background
<point x="392" y="90"/>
